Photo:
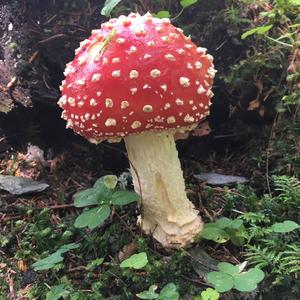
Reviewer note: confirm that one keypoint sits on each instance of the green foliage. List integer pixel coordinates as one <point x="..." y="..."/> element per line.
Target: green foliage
<point x="163" y="14"/>
<point x="260" y="30"/>
<point x="149" y="294"/>
<point x="50" y="261"/>
<point x="262" y="257"/>
<point x="95" y="263"/>
<point x="290" y="259"/>
<point x="109" y="5"/>
<point x="288" y="189"/>
<point x="56" y="292"/>
<point x="285" y="226"/>
<point x="103" y="194"/>
<point x="208" y="294"/>
<point x="93" y="217"/>
<point x="168" y="292"/>
<point x="187" y="3"/>
<point x="271" y="227"/>
<point x="225" y="229"/>
<point x="136" y="261"/>
<point x="230" y="276"/>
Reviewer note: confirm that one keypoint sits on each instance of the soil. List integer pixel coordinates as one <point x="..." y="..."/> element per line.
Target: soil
<point x="38" y="38"/>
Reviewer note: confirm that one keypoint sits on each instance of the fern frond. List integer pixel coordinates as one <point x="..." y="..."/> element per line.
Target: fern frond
<point x="291" y="259"/>
<point x="262" y="257"/>
<point x="288" y="189"/>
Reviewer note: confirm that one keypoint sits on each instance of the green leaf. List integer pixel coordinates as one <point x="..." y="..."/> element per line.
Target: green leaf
<point x="93" y="217"/>
<point x="228" y="268"/>
<point x="222" y="282"/>
<point x="95" y="263"/>
<point x="136" y="261"/>
<point x="228" y="223"/>
<point x="187" y="3"/>
<point x="68" y="247"/>
<point x="212" y="232"/>
<point x="150" y="294"/>
<point x="56" y="292"/>
<point x="56" y="257"/>
<point x="169" y="292"/>
<point x="109" y="5"/>
<point x="105" y="186"/>
<point x="238" y="236"/>
<point x="163" y="14"/>
<point x="210" y="294"/>
<point x="257" y="30"/>
<point x="110" y="181"/>
<point x="235" y="224"/>
<point x="286" y="226"/>
<point x="124" y="197"/>
<point x="222" y="222"/>
<point x="48" y="262"/>
<point x="86" y="198"/>
<point x="247" y="281"/>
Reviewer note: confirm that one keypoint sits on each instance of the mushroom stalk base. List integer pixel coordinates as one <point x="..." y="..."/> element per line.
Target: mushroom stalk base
<point x="157" y="176"/>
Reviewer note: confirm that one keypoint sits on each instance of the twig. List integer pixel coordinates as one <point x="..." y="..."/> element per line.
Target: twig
<point x="11" y="285"/>
<point x="53" y="37"/>
<point x="268" y="147"/>
<point x="196" y="281"/>
<point x="59" y="206"/>
<point x="127" y="227"/>
<point x="208" y="214"/>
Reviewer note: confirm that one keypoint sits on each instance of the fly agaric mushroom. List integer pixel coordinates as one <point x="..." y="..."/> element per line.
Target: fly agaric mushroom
<point x="140" y="78"/>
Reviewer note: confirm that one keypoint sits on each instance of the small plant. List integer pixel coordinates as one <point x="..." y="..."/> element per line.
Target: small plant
<point x="225" y="229"/>
<point x="51" y="261"/>
<point x="168" y="292"/>
<point x="109" y="5"/>
<point x="102" y="195"/>
<point x="233" y="277"/>
<point x="208" y="294"/>
<point x="136" y="261"/>
<point x="56" y="292"/>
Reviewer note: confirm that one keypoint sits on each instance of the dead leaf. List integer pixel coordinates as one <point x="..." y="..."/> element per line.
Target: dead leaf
<point x="127" y="251"/>
<point x="2" y="265"/>
<point x="22" y="266"/>
<point x="254" y="104"/>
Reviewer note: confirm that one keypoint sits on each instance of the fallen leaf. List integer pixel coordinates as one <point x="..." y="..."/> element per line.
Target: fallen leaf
<point x="127" y="251"/>
<point x="254" y="104"/>
<point x="22" y="266"/>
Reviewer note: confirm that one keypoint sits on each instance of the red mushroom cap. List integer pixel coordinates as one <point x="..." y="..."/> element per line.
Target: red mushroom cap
<point x="135" y="74"/>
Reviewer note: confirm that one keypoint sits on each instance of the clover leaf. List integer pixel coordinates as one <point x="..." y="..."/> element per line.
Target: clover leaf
<point x="247" y="281"/>
<point x="285" y="226"/>
<point x="222" y="282"/>
<point x="136" y="261"/>
<point x="230" y="276"/>
<point x="93" y="217"/>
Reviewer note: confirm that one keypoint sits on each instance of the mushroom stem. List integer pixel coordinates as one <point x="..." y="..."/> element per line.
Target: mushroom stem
<point x="167" y="213"/>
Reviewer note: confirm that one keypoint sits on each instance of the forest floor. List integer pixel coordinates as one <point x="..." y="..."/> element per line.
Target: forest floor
<point x="37" y="224"/>
<point x="251" y="133"/>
